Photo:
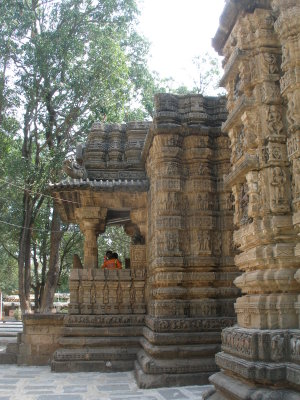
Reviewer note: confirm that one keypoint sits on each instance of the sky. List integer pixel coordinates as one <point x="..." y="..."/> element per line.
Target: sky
<point x="178" y="31"/>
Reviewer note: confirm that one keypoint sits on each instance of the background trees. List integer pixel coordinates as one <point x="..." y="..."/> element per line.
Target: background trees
<point x="63" y="64"/>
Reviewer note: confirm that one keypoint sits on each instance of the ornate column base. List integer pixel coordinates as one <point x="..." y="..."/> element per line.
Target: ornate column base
<point x="178" y="351"/>
<point x="229" y="388"/>
<point x="257" y="364"/>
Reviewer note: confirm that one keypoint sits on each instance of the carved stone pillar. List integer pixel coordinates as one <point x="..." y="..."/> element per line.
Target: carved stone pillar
<point x="288" y="29"/>
<point x="90" y="231"/>
<point x="92" y="222"/>
<point x="259" y="357"/>
<point x="190" y="284"/>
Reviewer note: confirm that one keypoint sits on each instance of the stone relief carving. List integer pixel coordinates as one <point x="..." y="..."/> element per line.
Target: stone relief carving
<point x="278" y="191"/>
<point x="277" y="347"/>
<point x="274" y="121"/>
<point x="250" y="127"/>
<point x="74" y="170"/>
<point x="237" y="87"/>
<point x="296" y="176"/>
<point x="270" y="62"/>
<point x="239" y="145"/>
<point x="244" y="203"/>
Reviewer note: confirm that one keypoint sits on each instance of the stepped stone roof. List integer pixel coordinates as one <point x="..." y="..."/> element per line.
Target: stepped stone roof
<point x="113" y="157"/>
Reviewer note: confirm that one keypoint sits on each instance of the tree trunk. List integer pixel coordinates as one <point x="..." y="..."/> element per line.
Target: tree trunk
<point x="53" y="272"/>
<point x="24" y="256"/>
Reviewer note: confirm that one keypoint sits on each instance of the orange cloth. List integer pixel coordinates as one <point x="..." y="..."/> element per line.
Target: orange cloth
<point x="112" y="264"/>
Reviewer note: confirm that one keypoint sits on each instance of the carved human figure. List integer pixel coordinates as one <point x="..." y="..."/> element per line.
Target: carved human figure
<point x="296" y="174"/>
<point x="239" y="146"/>
<point x="277" y="347"/>
<point x="274" y="121"/>
<point x="237" y="87"/>
<point x="271" y="63"/>
<point x="244" y="202"/>
<point x="250" y="128"/>
<point x="278" y="184"/>
<point x="293" y="112"/>
<point x="202" y="201"/>
<point x="285" y="54"/>
<point x="204" y="241"/>
<point x="172" y="201"/>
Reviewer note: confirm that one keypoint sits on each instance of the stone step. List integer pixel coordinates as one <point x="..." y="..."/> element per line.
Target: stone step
<point x="8" y="358"/>
<point x="106" y="332"/>
<point x="96" y="354"/>
<point x="92" y="366"/>
<point x="152" y="365"/>
<point x="11" y="325"/>
<point x="148" y="381"/>
<point x="79" y="341"/>
<point x="12" y="348"/>
<point x="10" y="329"/>
<point x="181" y="350"/>
<point x="4" y="341"/>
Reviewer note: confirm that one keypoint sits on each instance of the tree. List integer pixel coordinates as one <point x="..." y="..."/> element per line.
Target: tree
<point x="67" y="64"/>
<point x="207" y="75"/>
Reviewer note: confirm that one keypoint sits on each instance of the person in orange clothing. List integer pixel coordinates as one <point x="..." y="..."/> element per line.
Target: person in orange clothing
<point x="116" y="257"/>
<point x="107" y="254"/>
<point x="112" y="262"/>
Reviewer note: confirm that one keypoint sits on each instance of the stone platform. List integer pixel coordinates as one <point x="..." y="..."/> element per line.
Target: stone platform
<point x="38" y="383"/>
<point x="103" y="343"/>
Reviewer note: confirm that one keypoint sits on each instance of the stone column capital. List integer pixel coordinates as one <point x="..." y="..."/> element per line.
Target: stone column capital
<point x="91" y="219"/>
<point x="90" y="213"/>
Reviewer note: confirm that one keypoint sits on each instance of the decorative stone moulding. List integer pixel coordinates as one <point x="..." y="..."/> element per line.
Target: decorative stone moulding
<point x="166" y="180"/>
<point x="259" y="357"/>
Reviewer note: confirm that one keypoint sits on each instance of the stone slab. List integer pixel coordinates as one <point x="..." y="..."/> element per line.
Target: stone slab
<point x="172" y="394"/>
<point x="38" y="383"/>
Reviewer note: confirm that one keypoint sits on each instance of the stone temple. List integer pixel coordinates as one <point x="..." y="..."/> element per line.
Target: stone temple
<point x="209" y="192"/>
<point x="164" y="182"/>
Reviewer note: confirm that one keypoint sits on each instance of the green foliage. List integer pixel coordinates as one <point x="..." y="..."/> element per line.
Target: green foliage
<point x="8" y="273"/>
<point x="18" y="314"/>
<point x="63" y="65"/>
<point x="207" y="75"/>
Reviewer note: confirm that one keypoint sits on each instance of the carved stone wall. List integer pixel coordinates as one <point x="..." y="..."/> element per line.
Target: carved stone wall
<point x="260" y="43"/>
<point x="168" y="185"/>
<point x="189" y="241"/>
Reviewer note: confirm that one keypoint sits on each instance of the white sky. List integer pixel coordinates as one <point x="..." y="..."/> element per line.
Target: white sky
<point x="178" y="31"/>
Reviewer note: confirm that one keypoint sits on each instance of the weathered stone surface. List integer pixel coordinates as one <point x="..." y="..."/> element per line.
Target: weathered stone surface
<point x="182" y="253"/>
<point x="40" y="338"/>
<point x="260" y="42"/>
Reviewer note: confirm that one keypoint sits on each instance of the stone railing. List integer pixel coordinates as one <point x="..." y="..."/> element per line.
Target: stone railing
<point x="95" y="291"/>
